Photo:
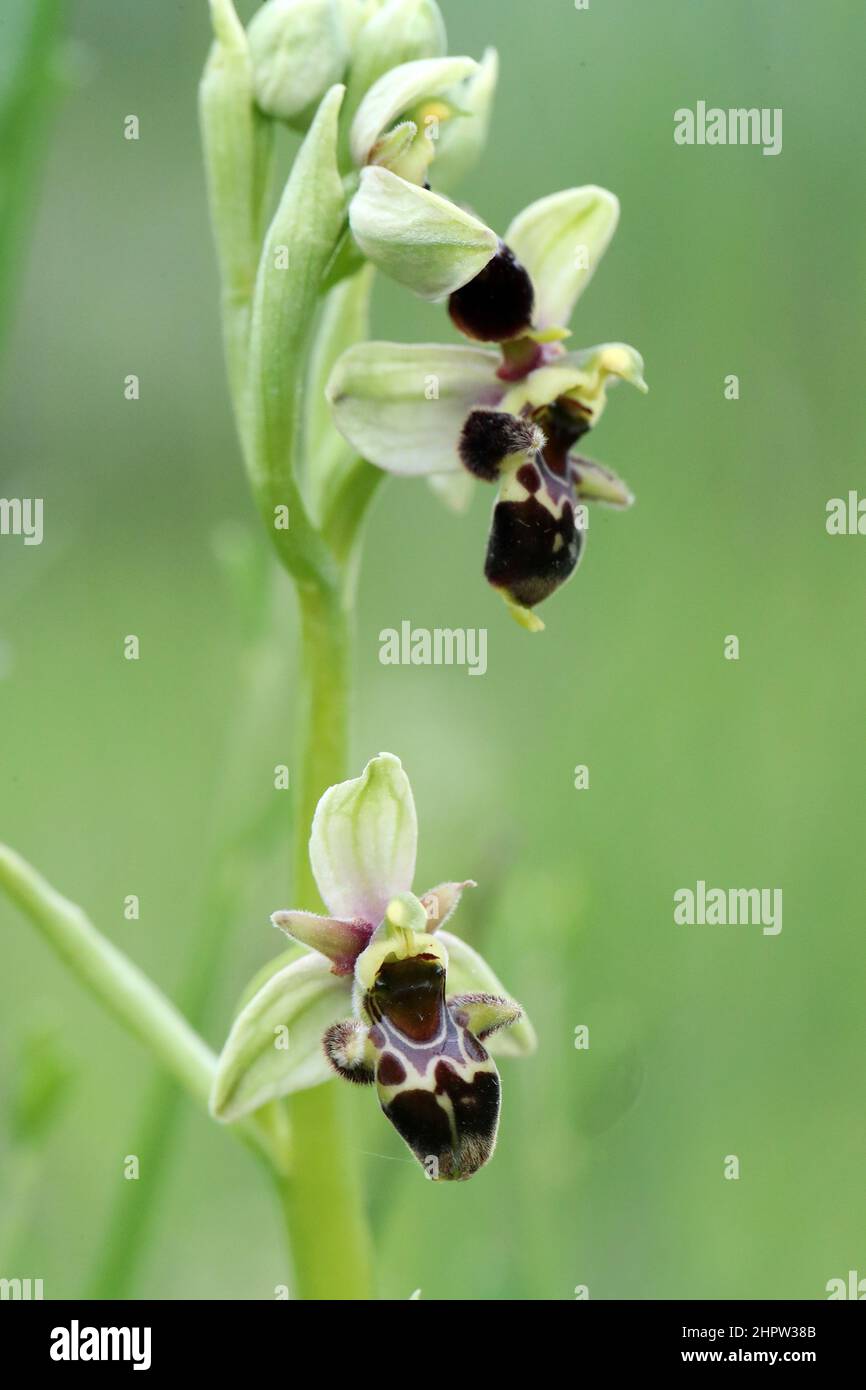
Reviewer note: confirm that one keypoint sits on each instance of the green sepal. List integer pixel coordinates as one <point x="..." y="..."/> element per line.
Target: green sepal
<point x="274" y="1046"/>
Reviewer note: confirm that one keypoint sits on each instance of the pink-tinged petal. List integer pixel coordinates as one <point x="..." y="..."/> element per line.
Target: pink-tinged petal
<point x="441" y="902"/>
<point x="341" y="939"/>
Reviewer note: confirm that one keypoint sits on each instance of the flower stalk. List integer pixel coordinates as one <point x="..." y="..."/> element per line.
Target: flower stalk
<point x="321" y="1198"/>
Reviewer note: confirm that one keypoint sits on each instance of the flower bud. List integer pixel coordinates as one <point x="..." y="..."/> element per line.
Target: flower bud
<point x="299" y="50"/>
<point x="497" y="304"/>
<point x="400" y="32"/>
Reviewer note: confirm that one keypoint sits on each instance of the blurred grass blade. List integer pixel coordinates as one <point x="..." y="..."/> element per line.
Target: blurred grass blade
<point x="29" y="40"/>
<point x="115" y="981"/>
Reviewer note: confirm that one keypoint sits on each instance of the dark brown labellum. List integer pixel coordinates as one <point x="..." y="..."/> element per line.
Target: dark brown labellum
<point x="436" y="1083"/>
<point x="498" y="303"/>
<point x="531" y="551"/>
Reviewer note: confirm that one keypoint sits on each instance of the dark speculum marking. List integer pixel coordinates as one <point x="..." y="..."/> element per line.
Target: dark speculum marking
<point x="488" y="437"/>
<point x="498" y="303"/>
<point x="530" y="551"/>
<point x="423" y="1120"/>
<point x="418" y="1118"/>
<point x="390" y="1071"/>
<point x="476" y="1115"/>
<point x="411" y="995"/>
<point x="529" y="477"/>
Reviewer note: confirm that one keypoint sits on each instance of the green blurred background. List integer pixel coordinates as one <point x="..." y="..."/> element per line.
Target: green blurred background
<point x="705" y="1041"/>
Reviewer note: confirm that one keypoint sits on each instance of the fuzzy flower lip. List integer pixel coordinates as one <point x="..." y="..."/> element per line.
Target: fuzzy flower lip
<point x="510" y="411"/>
<point x="379" y="992"/>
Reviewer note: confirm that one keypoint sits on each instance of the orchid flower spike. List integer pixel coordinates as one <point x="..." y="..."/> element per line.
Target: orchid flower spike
<point x="384" y="995"/>
<point x="408" y="106"/>
<point x="510" y="413"/>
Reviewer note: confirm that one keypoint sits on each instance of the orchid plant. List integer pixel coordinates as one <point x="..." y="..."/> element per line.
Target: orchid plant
<point x="378" y="991"/>
<point x="385" y="959"/>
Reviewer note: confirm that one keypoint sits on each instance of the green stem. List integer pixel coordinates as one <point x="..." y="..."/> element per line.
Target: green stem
<point x="322" y="1200"/>
<point x="321" y="751"/>
<point x="326" y="1226"/>
<point x="268" y="332"/>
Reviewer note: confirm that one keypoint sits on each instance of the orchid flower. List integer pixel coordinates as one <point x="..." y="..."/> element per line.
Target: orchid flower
<point x="512" y="413"/>
<point x="383" y="995"/>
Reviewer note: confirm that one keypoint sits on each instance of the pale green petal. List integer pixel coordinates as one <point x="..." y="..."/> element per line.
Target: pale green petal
<point x="462" y="139"/>
<point x="275" y="1044"/>
<point x="364" y="839"/>
<point x="594" y="483"/>
<point x="403" y="406"/>
<point x="543" y="386"/>
<point x="585" y="376"/>
<point x="392" y="147"/>
<point x="418" y="238"/>
<point x="602" y="367"/>
<point x="397" y="92"/>
<point x="469" y="973"/>
<point x="560" y="241"/>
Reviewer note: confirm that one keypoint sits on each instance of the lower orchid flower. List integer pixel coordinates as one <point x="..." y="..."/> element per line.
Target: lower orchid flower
<point x="510" y="414"/>
<point x="384" y="996"/>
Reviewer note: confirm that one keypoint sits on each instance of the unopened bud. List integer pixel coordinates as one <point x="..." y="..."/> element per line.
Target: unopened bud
<point x="299" y="50"/>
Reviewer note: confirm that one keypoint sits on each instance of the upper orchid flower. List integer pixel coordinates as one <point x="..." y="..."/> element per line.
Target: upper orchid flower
<point x="511" y="414"/>
<point x="385" y="996"/>
<point x="407" y="106"/>
<point x="423" y="121"/>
